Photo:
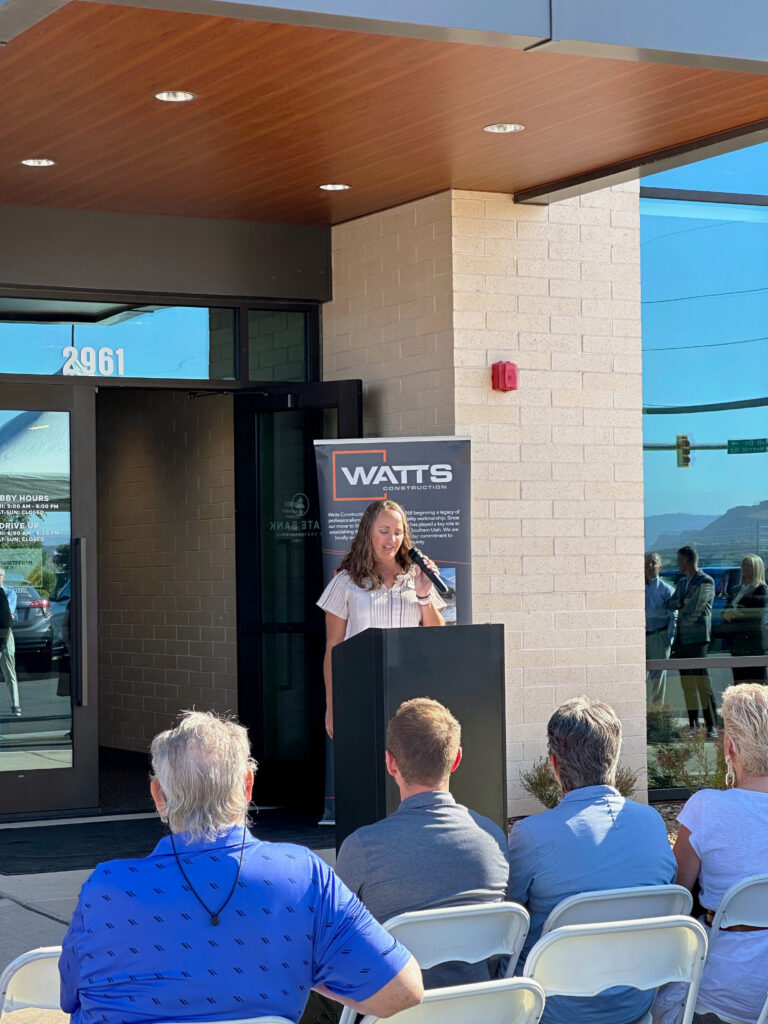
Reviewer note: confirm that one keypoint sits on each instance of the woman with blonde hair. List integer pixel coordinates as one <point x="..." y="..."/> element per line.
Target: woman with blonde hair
<point x="376" y="585"/>
<point x="723" y="839"/>
<point x="744" y="615"/>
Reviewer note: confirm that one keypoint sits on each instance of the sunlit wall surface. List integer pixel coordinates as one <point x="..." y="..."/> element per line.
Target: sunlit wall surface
<point x="705" y="430"/>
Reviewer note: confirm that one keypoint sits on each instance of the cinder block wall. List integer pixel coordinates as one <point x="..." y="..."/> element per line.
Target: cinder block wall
<point x="557" y="465"/>
<point x="391" y="318"/>
<point x="167" y="630"/>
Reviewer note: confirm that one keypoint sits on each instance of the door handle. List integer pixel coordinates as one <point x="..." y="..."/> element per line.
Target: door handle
<point x="80" y="600"/>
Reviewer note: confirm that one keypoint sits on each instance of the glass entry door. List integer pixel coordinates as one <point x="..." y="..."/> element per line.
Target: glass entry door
<point x="279" y="573"/>
<point x="48" y="655"/>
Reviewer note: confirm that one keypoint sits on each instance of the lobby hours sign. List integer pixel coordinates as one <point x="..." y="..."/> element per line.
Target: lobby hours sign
<point x="428" y="476"/>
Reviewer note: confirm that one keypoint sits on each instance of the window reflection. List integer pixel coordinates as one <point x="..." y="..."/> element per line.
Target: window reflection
<point x="705" y="433"/>
<point x="277" y="345"/>
<point x="35" y="591"/>
<point x="110" y="339"/>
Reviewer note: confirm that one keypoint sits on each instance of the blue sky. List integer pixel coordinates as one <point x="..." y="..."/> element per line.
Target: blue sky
<point x="705" y="298"/>
<point x="55" y="524"/>
<point x="744" y="171"/>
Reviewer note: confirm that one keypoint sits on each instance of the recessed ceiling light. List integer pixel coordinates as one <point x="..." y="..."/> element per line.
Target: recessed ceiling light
<point x="339" y="187"/>
<point x="175" y="96"/>
<point x="504" y="128"/>
<point x="38" y="162"/>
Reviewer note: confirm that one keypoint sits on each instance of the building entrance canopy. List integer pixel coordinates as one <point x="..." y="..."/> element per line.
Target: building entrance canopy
<point x="288" y="100"/>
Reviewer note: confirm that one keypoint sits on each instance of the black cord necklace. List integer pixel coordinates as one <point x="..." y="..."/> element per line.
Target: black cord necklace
<point x="213" y="914"/>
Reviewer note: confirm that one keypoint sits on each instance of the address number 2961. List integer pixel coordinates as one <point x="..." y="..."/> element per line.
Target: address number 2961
<point x="92" y="362"/>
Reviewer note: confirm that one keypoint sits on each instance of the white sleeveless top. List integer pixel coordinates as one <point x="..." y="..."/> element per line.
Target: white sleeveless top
<point x="729" y="832"/>
<point x="363" y="608"/>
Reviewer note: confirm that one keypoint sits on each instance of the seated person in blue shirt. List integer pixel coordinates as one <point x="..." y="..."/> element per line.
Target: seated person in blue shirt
<point x="215" y="924"/>
<point x="594" y="839"/>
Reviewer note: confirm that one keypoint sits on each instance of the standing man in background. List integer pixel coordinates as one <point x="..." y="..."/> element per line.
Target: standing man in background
<point x="693" y="599"/>
<point x="8" y="601"/>
<point x="659" y="627"/>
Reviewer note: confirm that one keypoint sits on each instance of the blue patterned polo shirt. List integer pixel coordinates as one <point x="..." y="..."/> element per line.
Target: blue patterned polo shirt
<point x="140" y="947"/>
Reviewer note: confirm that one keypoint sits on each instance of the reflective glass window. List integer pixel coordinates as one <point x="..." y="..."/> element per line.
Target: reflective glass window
<point x="705" y="435"/>
<point x="277" y="345"/>
<point x="36" y="635"/>
<point x="112" y="339"/>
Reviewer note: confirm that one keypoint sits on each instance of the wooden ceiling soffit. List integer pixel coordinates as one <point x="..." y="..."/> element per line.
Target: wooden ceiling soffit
<point x="651" y="163"/>
<point x="281" y="109"/>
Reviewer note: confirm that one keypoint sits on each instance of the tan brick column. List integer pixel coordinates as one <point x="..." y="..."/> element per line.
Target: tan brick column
<point x="557" y="465"/>
<point x="391" y="319"/>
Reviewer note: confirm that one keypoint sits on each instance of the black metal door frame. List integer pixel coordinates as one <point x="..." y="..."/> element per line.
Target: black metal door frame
<point x="280" y="782"/>
<point x="36" y="792"/>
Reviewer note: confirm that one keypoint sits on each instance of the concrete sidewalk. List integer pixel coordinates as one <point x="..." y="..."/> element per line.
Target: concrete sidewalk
<point x="29" y="906"/>
<point x="25" y="902"/>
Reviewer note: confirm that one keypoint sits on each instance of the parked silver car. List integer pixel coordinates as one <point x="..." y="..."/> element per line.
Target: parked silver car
<point x="33" y="629"/>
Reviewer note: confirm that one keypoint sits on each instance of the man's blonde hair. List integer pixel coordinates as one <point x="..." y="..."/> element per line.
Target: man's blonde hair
<point x="424" y="739"/>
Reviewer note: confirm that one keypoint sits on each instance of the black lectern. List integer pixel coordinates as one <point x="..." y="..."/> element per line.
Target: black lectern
<point x="373" y="672"/>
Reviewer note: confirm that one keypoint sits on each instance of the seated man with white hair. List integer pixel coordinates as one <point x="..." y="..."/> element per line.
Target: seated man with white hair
<point x="215" y="924"/>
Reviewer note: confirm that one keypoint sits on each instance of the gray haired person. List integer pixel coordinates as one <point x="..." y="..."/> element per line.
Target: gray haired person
<point x="215" y="923"/>
<point x="594" y="839"/>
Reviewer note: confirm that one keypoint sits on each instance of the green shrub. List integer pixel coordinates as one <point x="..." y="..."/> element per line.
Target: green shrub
<point x="660" y="724"/>
<point x="688" y="764"/>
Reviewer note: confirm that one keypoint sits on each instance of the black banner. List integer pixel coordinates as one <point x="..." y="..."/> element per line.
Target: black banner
<point x="428" y="476"/>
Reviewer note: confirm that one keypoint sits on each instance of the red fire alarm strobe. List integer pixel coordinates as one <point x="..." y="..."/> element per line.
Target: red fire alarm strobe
<point x="504" y="376"/>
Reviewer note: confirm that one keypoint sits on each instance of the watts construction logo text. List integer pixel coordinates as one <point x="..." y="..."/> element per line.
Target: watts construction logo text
<point x="441" y="473"/>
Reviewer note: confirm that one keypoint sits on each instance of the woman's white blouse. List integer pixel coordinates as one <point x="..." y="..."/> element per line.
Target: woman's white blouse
<point x="389" y="608"/>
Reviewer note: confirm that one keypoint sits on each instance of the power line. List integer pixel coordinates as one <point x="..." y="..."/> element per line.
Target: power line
<point x="715" y="344"/>
<point x="705" y="295"/>
<point x="668" y="410"/>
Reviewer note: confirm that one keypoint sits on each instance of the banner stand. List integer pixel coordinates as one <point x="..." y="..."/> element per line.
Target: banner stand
<point x="430" y="478"/>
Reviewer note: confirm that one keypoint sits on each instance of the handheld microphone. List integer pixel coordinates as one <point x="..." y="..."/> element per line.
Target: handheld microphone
<point x="416" y="556"/>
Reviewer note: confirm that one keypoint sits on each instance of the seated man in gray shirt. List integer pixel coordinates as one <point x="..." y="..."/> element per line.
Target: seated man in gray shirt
<point x="431" y="852"/>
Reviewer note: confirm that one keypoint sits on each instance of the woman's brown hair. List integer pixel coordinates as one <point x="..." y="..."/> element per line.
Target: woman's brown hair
<point x="359" y="561"/>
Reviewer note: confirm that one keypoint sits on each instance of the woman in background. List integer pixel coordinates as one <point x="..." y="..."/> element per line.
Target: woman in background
<point x="723" y="839"/>
<point x="377" y="585"/>
<point x="745" y="617"/>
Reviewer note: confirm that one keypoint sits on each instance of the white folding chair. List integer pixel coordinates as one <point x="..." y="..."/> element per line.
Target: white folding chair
<point x="505" y="1001"/>
<point x="469" y="934"/>
<point x="586" y="959"/>
<point x="604" y="905"/>
<point x="31" y="980"/>
<point x="245" y="1020"/>
<point x="746" y="902"/>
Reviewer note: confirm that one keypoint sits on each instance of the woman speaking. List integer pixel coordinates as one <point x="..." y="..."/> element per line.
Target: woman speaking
<point x="376" y="585"/>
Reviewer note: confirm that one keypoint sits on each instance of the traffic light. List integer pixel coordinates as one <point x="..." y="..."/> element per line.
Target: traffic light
<point x="683" y="448"/>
